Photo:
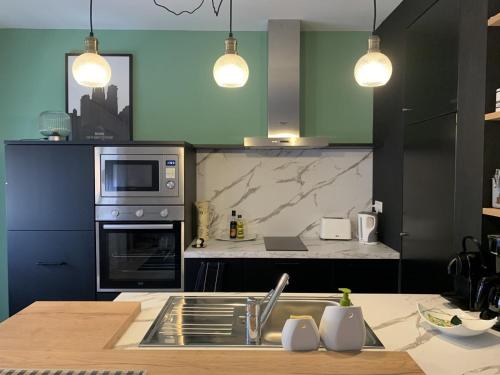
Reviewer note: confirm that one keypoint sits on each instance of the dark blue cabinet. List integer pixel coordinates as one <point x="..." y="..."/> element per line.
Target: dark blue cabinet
<point x="49" y="187"/>
<point x="50" y="223"/>
<point x="50" y="265"/>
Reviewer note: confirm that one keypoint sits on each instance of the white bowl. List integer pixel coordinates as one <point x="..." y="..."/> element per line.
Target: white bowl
<point x="471" y="326"/>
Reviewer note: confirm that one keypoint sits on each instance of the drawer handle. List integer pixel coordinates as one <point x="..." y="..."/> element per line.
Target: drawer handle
<point x="287" y="264"/>
<point x="51" y="263"/>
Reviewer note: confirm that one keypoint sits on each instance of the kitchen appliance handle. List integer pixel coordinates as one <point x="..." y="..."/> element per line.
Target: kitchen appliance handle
<point x="138" y="226"/>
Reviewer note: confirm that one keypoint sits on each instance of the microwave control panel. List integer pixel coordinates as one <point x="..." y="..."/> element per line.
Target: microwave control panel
<point x="171" y="173"/>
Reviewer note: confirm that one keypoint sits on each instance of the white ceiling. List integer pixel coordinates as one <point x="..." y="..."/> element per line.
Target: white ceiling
<point x="143" y="14"/>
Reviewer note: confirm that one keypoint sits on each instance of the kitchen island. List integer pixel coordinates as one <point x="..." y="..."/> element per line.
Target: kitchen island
<point x="393" y="318"/>
<point x="105" y="335"/>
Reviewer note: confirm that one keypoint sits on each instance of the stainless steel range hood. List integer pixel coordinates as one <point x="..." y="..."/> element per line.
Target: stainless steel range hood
<point x="283" y="90"/>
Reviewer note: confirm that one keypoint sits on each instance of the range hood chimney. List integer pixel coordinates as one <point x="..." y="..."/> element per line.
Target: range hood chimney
<point x="283" y="90"/>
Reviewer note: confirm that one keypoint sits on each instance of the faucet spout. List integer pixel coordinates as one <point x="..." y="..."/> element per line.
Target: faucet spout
<point x="256" y="321"/>
<point x="273" y="299"/>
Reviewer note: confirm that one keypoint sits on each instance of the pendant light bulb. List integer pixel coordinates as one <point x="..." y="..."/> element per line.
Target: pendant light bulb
<point x="91" y="69"/>
<point x="231" y="70"/>
<point x="373" y="69"/>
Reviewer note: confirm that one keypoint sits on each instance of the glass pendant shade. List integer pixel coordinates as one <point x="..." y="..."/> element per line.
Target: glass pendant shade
<point x="231" y="70"/>
<point x="373" y="69"/>
<point x="90" y="69"/>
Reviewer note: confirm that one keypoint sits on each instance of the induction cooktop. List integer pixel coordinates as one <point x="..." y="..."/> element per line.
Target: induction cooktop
<point x="284" y="244"/>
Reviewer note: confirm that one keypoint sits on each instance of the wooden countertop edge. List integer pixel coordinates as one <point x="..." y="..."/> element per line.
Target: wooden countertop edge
<point x="194" y="362"/>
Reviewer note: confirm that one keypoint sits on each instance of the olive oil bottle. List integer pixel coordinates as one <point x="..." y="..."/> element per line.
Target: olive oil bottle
<point x="240" y="228"/>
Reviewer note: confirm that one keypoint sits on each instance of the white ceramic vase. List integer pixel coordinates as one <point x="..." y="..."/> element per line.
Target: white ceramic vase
<point x="300" y="335"/>
<point x="342" y="328"/>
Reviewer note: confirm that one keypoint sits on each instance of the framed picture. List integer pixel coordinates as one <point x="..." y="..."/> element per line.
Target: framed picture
<point x="101" y="114"/>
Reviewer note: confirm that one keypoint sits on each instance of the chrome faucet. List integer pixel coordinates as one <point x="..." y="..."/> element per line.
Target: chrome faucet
<point x="255" y="319"/>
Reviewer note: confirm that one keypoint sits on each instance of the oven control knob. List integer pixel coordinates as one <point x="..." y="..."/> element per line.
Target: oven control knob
<point x="170" y="184"/>
<point x="164" y="213"/>
<point x="115" y="213"/>
<point x="139" y="213"/>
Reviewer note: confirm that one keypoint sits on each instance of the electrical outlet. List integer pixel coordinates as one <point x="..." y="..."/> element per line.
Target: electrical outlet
<point x="378" y="207"/>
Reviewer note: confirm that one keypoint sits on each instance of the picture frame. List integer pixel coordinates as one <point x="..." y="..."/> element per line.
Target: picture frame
<point x="108" y="111"/>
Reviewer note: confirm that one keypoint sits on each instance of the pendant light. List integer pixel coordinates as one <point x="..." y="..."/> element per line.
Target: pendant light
<point x="231" y="70"/>
<point x="373" y="69"/>
<point x="90" y="69"/>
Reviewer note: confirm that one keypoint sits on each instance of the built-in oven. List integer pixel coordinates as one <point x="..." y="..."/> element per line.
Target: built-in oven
<point x="139" y="175"/>
<point x="139" y="248"/>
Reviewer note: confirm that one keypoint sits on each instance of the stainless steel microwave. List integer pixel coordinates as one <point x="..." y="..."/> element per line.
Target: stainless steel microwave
<point x="139" y="175"/>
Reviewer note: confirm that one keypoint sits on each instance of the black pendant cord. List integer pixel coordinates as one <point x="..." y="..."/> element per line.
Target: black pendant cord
<point x="374" y="15"/>
<point x="216" y="8"/>
<point x="91" y="22"/>
<point x="230" y="18"/>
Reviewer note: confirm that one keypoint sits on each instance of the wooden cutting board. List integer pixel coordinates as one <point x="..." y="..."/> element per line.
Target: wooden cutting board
<point x="68" y="325"/>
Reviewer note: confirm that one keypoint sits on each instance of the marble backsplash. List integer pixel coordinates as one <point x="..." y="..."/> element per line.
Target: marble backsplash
<point x="284" y="192"/>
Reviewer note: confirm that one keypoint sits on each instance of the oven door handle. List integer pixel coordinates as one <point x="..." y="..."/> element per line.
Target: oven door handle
<point x="138" y="226"/>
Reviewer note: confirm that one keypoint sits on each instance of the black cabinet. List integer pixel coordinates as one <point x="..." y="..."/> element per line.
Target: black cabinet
<point x="306" y="275"/>
<point x="213" y="275"/>
<point x="366" y="275"/>
<point x="428" y="134"/>
<point x="49" y="187"/>
<point x="50" y="265"/>
<point x="431" y="69"/>
<point x="428" y="204"/>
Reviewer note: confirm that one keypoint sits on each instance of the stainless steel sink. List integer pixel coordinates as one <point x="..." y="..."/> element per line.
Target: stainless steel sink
<point x="220" y="321"/>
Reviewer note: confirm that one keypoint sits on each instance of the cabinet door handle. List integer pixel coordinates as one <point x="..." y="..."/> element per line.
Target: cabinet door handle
<point x="407" y="109"/>
<point x="404" y="234"/>
<point x="51" y="264"/>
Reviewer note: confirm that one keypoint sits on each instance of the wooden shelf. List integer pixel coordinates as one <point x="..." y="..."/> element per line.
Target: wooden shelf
<point x="493" y="116"/>
<point x="495" y="20"/>
<point x="491" y="212"/>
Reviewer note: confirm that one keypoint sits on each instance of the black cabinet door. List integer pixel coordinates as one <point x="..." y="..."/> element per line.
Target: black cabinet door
<point x="428" y="204"/>
<point x="49" y="187"/>
<point x="366" y="276"/>
<point x="50" y="265"/>
<point x="213" y="275"/>
<point x="305" y="275"/>
<point x="432" y="62"/>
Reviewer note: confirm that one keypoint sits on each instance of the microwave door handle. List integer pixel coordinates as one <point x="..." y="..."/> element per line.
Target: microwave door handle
<point x="138" y="226"/>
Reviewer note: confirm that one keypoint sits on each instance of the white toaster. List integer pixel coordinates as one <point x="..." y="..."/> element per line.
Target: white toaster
<point x="335" y="228"/>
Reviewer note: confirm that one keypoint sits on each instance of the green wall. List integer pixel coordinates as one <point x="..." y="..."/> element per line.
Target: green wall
<point x="175" y="96"/>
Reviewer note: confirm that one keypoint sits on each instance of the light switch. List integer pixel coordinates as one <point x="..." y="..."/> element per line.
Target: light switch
<point x="378" y="207"/>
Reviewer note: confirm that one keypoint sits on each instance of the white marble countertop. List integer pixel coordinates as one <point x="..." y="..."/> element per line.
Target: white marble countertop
<point x="317" y="249"/>
<point x="393" y="318"/>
